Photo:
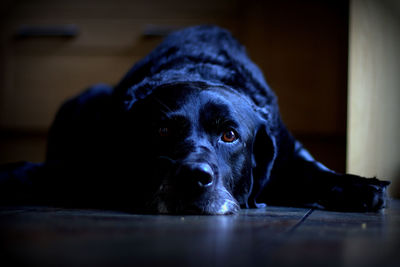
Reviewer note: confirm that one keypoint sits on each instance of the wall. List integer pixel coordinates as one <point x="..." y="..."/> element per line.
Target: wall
<point x="374" y="91"/>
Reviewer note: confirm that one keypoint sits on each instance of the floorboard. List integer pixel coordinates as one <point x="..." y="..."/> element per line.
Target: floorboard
<point x="275" y="236"/>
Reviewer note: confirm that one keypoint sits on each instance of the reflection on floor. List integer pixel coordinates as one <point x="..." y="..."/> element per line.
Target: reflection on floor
<point x="275" y="236"/>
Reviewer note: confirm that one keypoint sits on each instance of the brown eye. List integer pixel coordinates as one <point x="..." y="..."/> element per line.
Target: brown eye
<point x="163" y="132"/>
<point x="229" y="136"/>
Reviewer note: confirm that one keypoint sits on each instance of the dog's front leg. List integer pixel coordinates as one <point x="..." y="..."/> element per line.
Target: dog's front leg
<point x="306" y="182"/>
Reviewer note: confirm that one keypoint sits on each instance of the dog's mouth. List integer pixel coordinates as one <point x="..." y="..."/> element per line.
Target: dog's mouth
<point x="173" y="199"/>
<point x="205" y="205"/>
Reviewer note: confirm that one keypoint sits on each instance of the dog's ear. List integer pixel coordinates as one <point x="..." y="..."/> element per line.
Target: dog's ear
<point x="264" y="154"/>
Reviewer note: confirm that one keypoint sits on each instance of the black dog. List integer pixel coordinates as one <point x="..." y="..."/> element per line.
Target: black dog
<point x="192" y="128"/>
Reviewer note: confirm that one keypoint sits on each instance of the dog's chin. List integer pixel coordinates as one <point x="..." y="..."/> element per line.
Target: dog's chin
<point x="221" y="206"/>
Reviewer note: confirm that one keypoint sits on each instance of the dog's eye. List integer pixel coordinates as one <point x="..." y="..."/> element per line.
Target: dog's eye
<point x="163" y="131"/>
<point x="229" y="136"/>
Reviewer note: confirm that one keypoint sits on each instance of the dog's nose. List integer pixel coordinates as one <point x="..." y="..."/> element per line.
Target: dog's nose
<point x="204" y="175"/>
<point x="201" y="173"/>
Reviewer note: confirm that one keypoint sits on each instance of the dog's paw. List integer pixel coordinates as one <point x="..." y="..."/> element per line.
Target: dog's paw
<point x="358" y="194"/>
<point x="372" y="195"/>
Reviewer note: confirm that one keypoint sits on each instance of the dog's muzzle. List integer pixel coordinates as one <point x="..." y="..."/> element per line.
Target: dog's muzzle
<point x="193" y="188"/>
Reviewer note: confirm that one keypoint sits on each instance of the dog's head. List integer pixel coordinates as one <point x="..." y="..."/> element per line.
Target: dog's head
<point x="200" y="149"/>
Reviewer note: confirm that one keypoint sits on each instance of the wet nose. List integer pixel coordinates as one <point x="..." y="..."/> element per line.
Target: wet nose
<point x="200" y="173"/>
<point x="203" y="174"/>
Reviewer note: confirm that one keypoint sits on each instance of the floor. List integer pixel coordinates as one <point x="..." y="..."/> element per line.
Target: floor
<point x="275" y="236"/>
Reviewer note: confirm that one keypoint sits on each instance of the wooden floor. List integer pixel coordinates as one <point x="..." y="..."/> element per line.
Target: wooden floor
<point x="275" y="236"/>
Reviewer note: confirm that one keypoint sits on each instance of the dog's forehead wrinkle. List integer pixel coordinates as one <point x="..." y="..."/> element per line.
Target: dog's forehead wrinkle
<point x="236" y="105"/>
<point x="218" y="113"/>
<point x="233" y="95"/>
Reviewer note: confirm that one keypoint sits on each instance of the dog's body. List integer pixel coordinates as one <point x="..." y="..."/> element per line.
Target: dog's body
<point x="192" y="128"/>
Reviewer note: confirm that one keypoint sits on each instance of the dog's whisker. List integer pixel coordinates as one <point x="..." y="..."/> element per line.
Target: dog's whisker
<point x="224" y="190"/>
<point x="167" y="158"/>
<point x="234" y="203"/>
<point x="162" y="104"/>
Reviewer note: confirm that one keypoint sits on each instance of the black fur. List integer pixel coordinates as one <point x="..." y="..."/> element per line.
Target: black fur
<point x="192" y="128"/>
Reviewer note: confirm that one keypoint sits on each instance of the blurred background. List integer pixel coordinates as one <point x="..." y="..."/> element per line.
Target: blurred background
<point x="51" y="50"/>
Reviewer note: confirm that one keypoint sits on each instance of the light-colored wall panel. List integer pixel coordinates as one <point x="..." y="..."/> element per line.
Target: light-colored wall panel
<point x="374" y="91"/>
